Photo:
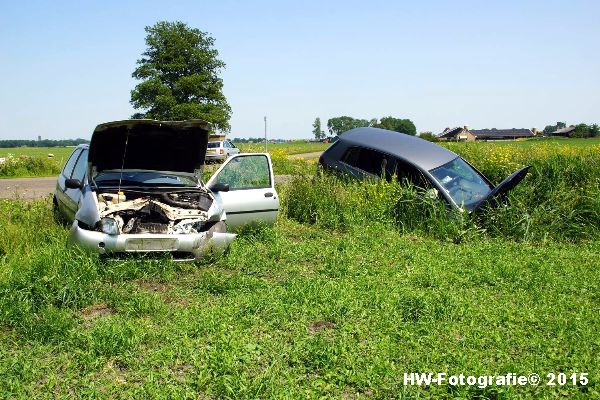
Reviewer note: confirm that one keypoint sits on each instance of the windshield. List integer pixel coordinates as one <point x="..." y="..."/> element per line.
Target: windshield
<point x="143" y="178"/>
<point x="462" y="182"/>
<point x="213" y="145"/>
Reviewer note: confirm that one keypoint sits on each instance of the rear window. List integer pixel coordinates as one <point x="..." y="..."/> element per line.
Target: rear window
<point x="214" y="145"/>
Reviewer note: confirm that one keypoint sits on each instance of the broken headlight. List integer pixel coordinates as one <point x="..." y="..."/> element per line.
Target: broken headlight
<point x="110" y="226"/>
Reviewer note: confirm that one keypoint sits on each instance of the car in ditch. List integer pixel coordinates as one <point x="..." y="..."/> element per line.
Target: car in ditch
<point x="378" y="153"/>
<point x="137" y="187"/>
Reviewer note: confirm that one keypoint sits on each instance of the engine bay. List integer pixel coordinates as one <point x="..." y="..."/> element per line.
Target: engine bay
<point x="177" y="212"/>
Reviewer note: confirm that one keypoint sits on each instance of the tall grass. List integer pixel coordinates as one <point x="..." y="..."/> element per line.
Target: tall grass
<point x="26" y="166"/>
<point x="337" y="203"/>
<point x="558" y="200"/>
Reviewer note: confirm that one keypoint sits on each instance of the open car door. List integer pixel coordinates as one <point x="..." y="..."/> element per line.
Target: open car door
<point x="502" y="189"/>
<point x="251" y="197"/>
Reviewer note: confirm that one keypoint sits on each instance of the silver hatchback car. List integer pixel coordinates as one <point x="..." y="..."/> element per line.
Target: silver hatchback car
<point x="373" y="153"/>
<point x="137" y="187"/>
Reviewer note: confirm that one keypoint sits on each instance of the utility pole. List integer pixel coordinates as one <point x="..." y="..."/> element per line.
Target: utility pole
<point x="265" y="133"/>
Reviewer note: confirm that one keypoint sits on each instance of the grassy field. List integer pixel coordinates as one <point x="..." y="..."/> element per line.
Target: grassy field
<point x="59" y="152"/>
<point x="297" y="311"/>
<point x="295" y="147"/>
<point x="356" y="284"/>
<point x="552" y="141"/>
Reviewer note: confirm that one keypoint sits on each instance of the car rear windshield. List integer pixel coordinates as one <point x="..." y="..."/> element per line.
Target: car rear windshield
<point x="213" y="145"/>
<point x="461" y="182"/>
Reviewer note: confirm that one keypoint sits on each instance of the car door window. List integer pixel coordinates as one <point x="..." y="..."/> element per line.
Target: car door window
<point x="367" y="160"/>
<point x="405" y="172"/>
<point x="246" y="172"/>
<point x="68" y="169"/>
<point x="80" y="167"/>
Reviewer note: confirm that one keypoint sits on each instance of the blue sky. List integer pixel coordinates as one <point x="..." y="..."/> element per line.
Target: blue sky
<point x="66" y="66"/>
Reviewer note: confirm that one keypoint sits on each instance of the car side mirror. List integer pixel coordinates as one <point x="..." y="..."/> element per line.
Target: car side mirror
<point x="73" y="184"/>
<point x="219" y="187"/>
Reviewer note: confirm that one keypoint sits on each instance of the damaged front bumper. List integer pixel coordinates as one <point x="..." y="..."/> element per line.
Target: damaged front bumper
<point x="194" y="245"/>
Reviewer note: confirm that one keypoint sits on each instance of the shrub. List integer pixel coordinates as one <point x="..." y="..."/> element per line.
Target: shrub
<point x="29" y="166"/>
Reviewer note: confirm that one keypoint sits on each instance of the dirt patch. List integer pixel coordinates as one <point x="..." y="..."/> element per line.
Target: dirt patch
<point x="154" y="286"/>
<point x="95" y="311"/>
<point x="320" y="326"/>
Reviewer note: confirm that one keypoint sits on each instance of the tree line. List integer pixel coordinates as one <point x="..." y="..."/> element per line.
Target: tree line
<point x="12" y="143"/>
<point x="580" y="131"/>
<point x="338" y="125"/>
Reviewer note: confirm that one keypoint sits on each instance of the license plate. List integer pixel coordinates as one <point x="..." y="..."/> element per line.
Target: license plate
<point x="151" y="244"/>
<point x="211" y="151"/>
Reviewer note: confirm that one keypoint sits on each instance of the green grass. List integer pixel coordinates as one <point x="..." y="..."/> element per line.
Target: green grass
<point x="551" y="141"/>
<point x="59" y="152"/>
<point x="297" y="311"/>
<point x="289" y="148"/>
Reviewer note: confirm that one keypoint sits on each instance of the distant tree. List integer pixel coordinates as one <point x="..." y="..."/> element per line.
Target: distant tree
<point x="429" y="136"/>
<point x="317" y="131"/>
<point x="594" y="130"/>
<point x="553" y="128"/>
<point x="583" y="131"/>
<point x="339" y="125"/>
<point x="398" y="125"/>
<point x="180" y="77"/>
<point x="12" y="143"/>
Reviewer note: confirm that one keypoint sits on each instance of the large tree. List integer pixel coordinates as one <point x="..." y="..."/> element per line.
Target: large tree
<point x="317" y="131"/>
<point x="398" y="125"/>
<point x="180" y="77"/>
<point x="339" y="125"/>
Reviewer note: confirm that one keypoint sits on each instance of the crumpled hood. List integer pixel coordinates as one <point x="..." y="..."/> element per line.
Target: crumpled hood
<point x="176" y="146"/>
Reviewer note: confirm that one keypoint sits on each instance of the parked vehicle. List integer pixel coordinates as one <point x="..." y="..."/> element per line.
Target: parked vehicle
<point x="374" y="153"/>
<point x="220" y="151"/>
<point x="137" y="187"/>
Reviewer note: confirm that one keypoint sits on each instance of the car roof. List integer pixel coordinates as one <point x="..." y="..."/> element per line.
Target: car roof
<point x="415" y="150"/>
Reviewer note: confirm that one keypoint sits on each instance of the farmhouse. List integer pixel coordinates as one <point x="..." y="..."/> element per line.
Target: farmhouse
<point x="459" y="134"/>
<point x="568" y="131"/>
<point x="469" y="135"/>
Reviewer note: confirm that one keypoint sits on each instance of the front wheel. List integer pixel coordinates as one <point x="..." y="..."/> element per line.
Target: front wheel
<point x="58" y="217"/>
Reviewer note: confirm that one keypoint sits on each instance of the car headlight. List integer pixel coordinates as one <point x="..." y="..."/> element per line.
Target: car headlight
<point x="109" y="226"/>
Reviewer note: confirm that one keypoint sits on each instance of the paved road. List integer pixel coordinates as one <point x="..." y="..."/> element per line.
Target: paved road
<point x="37" y="188"/>
<point x="26" y="188"/>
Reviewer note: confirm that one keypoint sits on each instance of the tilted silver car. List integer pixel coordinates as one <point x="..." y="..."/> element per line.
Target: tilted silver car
<point x="137" y="187"/>
<point x="373" y="152"/>
<point x="221" y="150"/>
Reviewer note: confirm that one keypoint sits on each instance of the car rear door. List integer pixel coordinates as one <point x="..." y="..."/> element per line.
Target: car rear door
<point x="232" y="148"/>
<point x="251" y="197"/>
<point x="71" y="196"/>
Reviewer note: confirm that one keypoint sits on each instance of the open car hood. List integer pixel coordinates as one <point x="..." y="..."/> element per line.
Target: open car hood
<point x="176" y="146"/>
<point x="504" y="187"/>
